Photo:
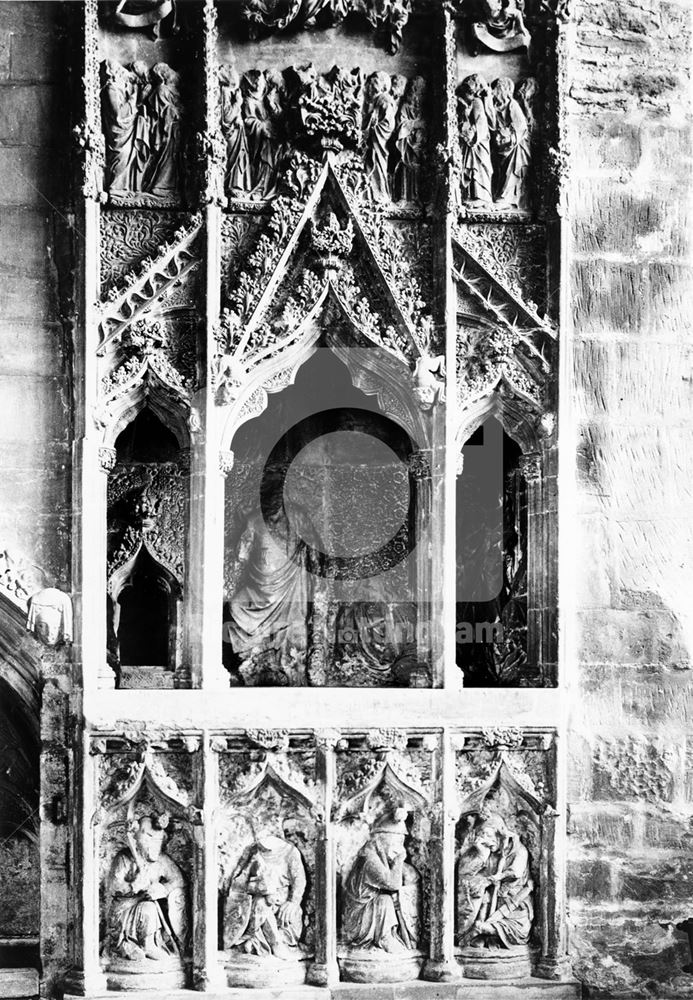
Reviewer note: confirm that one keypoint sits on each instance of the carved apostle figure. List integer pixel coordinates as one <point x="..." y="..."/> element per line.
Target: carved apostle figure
<point x="477" y="117"/>
<point x="270" y="611"/>
<point x="238" y="177"/>
<point x="258" y="116"/>
<point x="512" y="145"/>
<point x="263" y="914"/>
<point x="411" y="142"/>
<point x="147" y="917"/>
<point x="381" y="119"/>
<point x="376" y="888"/>
<point x="119" y="107"/>
<point x="501" y="27"/>
<point x="142" y="133"/>
<point x="164" y="107"/>
<point x="494" y="886"/>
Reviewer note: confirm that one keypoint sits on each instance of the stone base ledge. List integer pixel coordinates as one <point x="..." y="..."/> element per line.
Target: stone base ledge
<point x="19" y="984"/>
<point x="527" y="989"/>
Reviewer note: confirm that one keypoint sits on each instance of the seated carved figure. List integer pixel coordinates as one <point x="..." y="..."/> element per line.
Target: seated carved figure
<point x="494" y="887"/>
<point x="147" y="916"/>
<point x="263" y="914"/>
<point x="375" y="889"/>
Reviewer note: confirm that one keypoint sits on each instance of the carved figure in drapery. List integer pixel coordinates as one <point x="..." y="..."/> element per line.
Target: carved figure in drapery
<point x="381" y="892"/>
<point x="238" y="174"/>
<point x="142" y="135"/>
<point x="264" y="914"/>
<point x="147" y="916"/>
<point x="501" y="27"/>
<point x="163" y="102"/>
<point x="412" y="135"/>
<point x="477" y="118"/>
<point x="260" y="127"/>
<point x="511" y="141"/>
<point x="381" y="119"/>
<point x="494" y="886"/>
<point x="389" y="17"/>
<point x="119" y="104"/>
<point x="526" y="93"/>
<point x="269" y="615"/>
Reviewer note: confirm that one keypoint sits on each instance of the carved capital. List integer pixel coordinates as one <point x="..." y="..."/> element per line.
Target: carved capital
<point x="328" y="739"/>
<point x="420" y="464"/>
<point x="269" y="739"/>
<point x="108" y="458"/>
<point x="386" y="739"/>
<point x="530" y="467"/>
<point x="226" y="460"/>
<point x="503" y="737"/>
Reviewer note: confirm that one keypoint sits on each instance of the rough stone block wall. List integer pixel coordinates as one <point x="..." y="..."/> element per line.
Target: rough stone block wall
<point x="631" y="830"/>
<point x="35" y="392"/>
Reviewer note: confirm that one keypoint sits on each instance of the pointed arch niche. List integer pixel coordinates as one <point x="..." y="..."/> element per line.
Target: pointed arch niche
<point x="506" y="519"/>
<point x="332" y="427"/>
<point x="147" y="528"/>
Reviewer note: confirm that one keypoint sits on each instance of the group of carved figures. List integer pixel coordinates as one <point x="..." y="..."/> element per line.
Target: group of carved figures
<point x="264" y="113"/>
<point x="496" y="125"/>
<point x="265" y="897"/>
<point x="142" y="124"/>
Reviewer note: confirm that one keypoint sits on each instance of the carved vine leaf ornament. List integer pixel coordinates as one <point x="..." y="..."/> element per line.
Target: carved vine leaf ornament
<point x="144" y="771"/>
<point x="505" y="340"/>
<point x="155" y="279"/>
<point x="246" y="333"/>
<point x="387" y="786"/>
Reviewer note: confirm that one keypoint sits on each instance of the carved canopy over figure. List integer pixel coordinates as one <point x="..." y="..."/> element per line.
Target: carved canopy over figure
<point x="381" y="118"/>
<point x="376" y="888"/>
<point x="501" y="27"/>
<point x="147" y="917"/>
<point x="263" y="914"/>
<point x="270" y="610"/>
<point x="477" y="118"/>
<point x="494" y="887"/>
<point x="512" y="145"/>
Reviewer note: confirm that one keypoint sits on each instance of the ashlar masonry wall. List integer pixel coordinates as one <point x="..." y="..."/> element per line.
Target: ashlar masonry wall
<point x="631" y="829"/>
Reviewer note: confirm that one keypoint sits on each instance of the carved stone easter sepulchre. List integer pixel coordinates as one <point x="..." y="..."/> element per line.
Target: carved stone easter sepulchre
<point x="312" y="292"/>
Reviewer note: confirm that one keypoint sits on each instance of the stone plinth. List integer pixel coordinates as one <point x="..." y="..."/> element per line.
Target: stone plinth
<point x="145" y="975"/>
<point x="264" y="971"/>
<point x="496" y="963"/>
<point x="377" y="966"/>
